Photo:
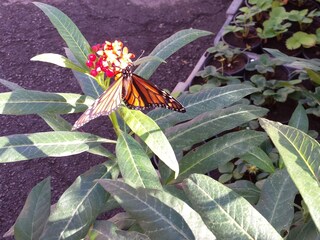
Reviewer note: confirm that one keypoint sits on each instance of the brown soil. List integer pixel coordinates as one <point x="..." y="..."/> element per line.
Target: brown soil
<point x="235" y="67"/>
<point x="313" y="52"/>
<point x="252" y="43"/>
<point x="281" y="45"/>
<point x="309" y="4"/>
<point x="26" y="32"/>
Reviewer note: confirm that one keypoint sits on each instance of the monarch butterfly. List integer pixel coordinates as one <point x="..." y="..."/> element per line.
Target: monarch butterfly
<point x="135" y="92"/>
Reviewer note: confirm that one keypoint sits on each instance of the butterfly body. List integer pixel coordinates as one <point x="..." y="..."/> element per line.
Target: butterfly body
<point x="134" y="91"/>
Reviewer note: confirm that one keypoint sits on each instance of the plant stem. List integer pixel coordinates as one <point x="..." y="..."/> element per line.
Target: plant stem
<point x="105" y="83"/>
<point x="114" y="120"/>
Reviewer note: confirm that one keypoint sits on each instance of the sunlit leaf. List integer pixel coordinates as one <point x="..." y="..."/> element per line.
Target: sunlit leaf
<point x="225" y="213"/>
<point x="68" y="31"/>
<point x="167" y="47"/>
<point x="300" y="154"/>
<point x="21" y="102"/>
<point x="135" y="165"/>
<point x="57" y="59"/>
<point x="46" y="144"/>
<point x="80" y="204"/>
<point x="152" y="135"/>
<point x="159" y="214"/>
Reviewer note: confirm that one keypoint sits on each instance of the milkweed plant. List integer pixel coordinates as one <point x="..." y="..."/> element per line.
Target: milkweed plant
<point x="157" y="177"/>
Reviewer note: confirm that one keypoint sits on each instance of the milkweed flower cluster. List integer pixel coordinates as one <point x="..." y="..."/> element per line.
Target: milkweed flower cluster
<point x="109" y="57"/>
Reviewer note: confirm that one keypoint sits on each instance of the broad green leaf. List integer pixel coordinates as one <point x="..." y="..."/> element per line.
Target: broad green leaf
<point x="159" y="214"/>
<point x="106" y="230"/>
<point x="300" y="154"/>
<point x="225" y="213"/>
<point x="68" y="31"/>
<point x="260" y="159"/>
<point x="167" y="47"/>
<point x="88" y="84"/>
<point x="204" y="101"/>
<point x="299" y="119"/>
<point x="147" y="59"/>
<point x="295" y="62"/>
<point x="277" y="199"/>
<point x="58" y="60"/>
<point x="57" y="123"/>
<point x="306" y="231"/>
<point x="246" y="189"/>
<point x="152" y="135"/>
<point x="35" y="212"/>
<point x="21" y="102"/>
<point x="135" y="165"/>
<point x="218" y="151"/>
<point x="46" y="144"/>
<point x="210" y="124"/>
<point x="80" y="204"/>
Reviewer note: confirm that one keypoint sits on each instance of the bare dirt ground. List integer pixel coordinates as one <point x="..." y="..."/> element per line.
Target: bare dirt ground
<point x="25" y="32"/>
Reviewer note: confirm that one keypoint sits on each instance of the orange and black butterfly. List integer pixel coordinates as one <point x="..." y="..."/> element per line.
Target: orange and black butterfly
<point x="136" y="93"/>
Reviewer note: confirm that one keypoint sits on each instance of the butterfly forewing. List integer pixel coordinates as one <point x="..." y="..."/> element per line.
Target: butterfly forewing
<point x="141" y="94"/>
<point x="108" y="101"/>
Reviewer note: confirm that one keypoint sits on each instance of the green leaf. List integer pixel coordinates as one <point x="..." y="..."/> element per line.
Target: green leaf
<point x="314" y="76"/>
<point x="159" y="214"/>
<point x="300" y="154"/>
<point x="246" y="189"/>
<point x="259" y="158"/>
<point x="59" y="60"/>
<point x="225" y="213"/>
<point x="225" y="177"/>
<point x="88" y="84"/>
<point x="80" y="204"/>
<point x="135" y="165"/>
<point x="106" y="230"/>
<point x="299" y="119"/>
<point x="46" y="144"/>
<point x="218" y="151"/>
<point x="152" y="135"/>
<point x="68" y="31"/>
<point x="57" y="123"/>
<point x="277" y="199"/>
<point x="35" y="212"/>
<point x="146" y="59"/>
<point x="21" y="102"/>
<point x="293" y="43"/>
<point x="198" y="103"/>
<point x="210" y="124"/>
<point x="167" y="47"/>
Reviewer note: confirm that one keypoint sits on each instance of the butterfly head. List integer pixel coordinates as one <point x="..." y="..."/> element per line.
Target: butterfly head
<point x="127" y="72"/>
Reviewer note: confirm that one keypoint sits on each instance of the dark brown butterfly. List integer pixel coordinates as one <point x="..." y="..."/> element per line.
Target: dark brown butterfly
<point x="136" y="93"/>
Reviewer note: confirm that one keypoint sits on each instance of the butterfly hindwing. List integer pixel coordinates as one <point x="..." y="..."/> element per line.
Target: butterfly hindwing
<point x="107" y="102"/>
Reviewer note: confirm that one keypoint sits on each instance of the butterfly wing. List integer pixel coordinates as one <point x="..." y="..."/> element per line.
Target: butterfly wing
<point x="140" y="94"/>
<point x="108" y="101"/>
